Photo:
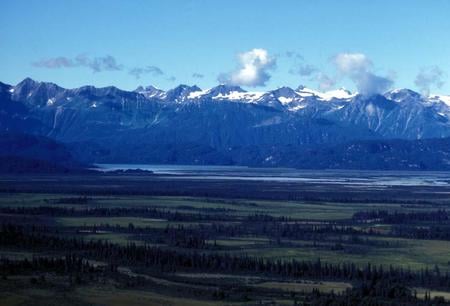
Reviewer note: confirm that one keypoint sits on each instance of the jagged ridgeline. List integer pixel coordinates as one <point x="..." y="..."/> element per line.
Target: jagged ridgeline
<point x="227" y="125"/>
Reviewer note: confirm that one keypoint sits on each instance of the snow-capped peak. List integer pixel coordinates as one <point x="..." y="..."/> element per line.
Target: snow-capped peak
<point x="226" y="92"/>
<point x="181" y="92"/>
<point x="150" y="91"/>
<point x="307" y="92"/>
<point x="402" y="94"/>
<point x="284" y="92"/>
<point x="197" y="94"/>
<point x="341" y="94"/>
<point x="284" y="95"/>
<point x="239" y="96"/>
<point x="440" y="98"/>
<point x="224" y="89"/>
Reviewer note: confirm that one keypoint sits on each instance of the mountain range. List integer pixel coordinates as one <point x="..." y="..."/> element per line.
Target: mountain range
<point x="400" y="129"/>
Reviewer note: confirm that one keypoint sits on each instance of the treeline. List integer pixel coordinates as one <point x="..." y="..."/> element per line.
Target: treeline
<point x="437" y="216"/>
<point x="78" y="271"/>
<point x="202" y="236"/>
<point x="373" y="293"/>
<point x="197" y="236"/>
<point x="62" y="265"/>
<point x="431" y="232"/>
<point x="207" y="213"/>
<point x="98" y="184"/>
<point x="116" y="212"/>
<point x="277" y="229"/>
<point x="164" y="260"/>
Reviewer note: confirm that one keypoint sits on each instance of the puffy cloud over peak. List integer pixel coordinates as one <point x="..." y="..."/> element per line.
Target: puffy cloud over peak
<point x="253" y="69"/>
<point x="429" y="77"/>
<point x="370" y="84"/>
<point x="357" y="67"/>
<point x="352" y="63"/>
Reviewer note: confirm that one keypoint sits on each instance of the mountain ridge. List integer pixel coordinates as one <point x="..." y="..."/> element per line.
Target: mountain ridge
<point x="224" y="124"/>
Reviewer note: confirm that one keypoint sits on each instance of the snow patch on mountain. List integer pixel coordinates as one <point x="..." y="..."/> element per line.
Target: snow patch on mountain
<point x="51" y="101"/>
<point x="239" y="96"/>
<point x="337" y="94"/>
<point x="341" y="93"/>
<point x="440" y="98"/>
<point x="197" y="94"/>
<point x="285" y="100"/>
<point x="297" y="107"/>
<point x="404" y="95"/>
<point x="151" y="92"/>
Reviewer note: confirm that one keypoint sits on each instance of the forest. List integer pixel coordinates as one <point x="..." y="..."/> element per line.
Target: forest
<point x="107" y="239"/>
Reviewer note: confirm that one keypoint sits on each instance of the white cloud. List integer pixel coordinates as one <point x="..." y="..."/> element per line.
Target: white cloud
<point x="357" y="67"/>
<point x="352" y="63"/>
<point x="369" y="83"/>
<point x="429" y="77"/>
<point x="253" y="69"/>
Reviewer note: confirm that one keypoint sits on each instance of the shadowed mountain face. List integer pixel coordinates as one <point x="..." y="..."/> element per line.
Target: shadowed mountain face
<point x="29" y="153"/>
<point x="426" y="154"/>
<point x="222" y="125"/>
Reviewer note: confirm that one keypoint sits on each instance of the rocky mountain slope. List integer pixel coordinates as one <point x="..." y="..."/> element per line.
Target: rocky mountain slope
<point x="221" y="125"/>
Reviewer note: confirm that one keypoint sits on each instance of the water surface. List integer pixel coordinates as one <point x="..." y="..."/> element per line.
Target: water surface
<point x="347" y="177"/>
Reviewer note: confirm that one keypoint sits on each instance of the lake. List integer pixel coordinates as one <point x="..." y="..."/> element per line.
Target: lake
<point x="347" y="177"/>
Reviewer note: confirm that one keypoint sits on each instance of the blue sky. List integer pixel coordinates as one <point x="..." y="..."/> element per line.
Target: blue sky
<point x="165" y="43"/>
